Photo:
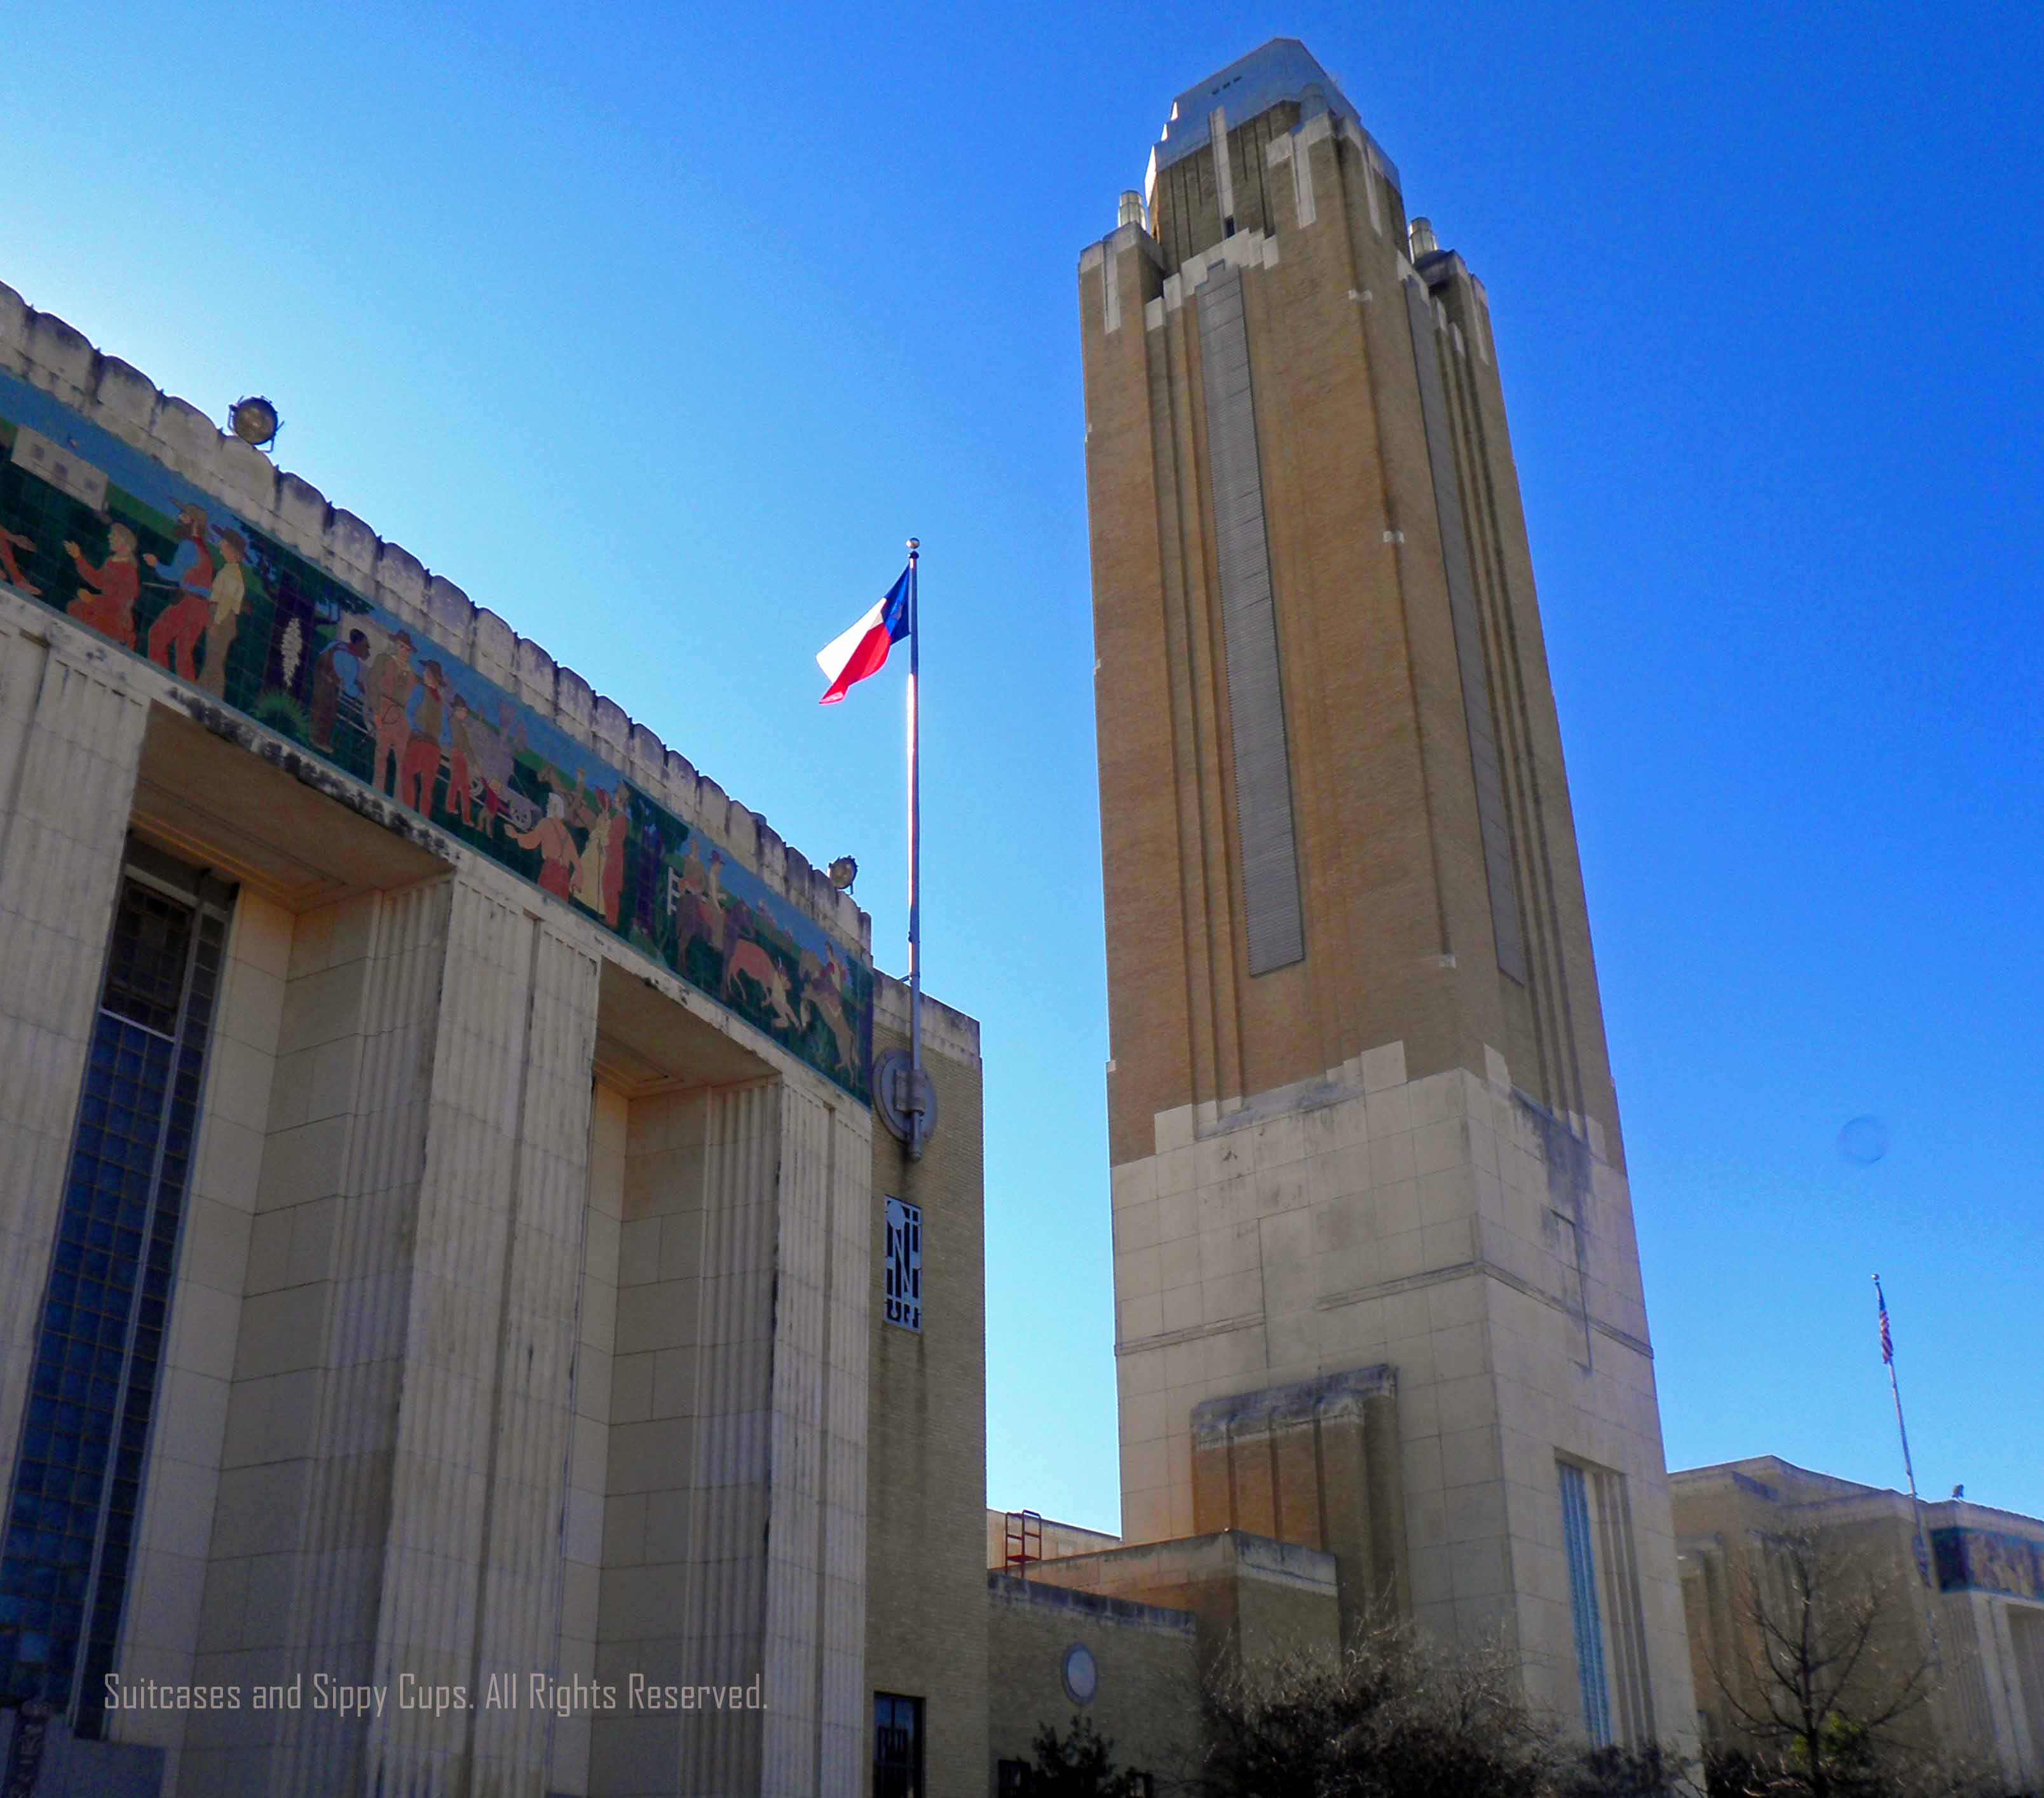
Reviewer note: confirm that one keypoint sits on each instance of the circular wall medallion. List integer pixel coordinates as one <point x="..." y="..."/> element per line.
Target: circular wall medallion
<point x="1082" y="1673"/>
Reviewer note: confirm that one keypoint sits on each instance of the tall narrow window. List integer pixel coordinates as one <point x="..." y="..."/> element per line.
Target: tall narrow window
<point x="1583" y="1603"/>
<point x="897" y="1745"/>
<point x="73" y="1515"/>
<point x="905" y="1264"/>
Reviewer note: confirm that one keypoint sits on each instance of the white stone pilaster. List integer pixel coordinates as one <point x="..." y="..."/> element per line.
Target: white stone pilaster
<point x="70" y="742"/>
<point x="479" y="1473"/>
<point x="533" y="1419"/>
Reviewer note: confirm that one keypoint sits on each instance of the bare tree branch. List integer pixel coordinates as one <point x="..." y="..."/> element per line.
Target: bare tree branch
<point x="1812" y="1686"/>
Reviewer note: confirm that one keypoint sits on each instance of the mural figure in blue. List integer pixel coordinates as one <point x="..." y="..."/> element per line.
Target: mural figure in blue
<point x="158" y="569"/>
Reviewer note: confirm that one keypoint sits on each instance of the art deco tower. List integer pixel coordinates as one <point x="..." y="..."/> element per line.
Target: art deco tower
<point x="1364" y="1135"/>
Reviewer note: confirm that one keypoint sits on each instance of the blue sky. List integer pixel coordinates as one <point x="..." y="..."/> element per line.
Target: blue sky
<point x="659" y="332"/>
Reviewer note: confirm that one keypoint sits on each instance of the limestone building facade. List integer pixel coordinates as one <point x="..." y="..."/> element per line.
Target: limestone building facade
<point x="1378" y="1290"/>
<point x="1972" y="1614"/>
<point x="458" y="1299"/>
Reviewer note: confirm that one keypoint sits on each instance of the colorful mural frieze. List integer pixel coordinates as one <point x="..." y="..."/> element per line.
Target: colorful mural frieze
<point x="102" y="532"/>
<point x="1986" y="1561"/>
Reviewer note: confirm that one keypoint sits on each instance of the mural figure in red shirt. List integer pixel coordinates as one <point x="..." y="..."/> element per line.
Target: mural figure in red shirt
<point x="180" y="626"/>
<point x="556" y="845"/>
<point x="9" y="542"/>
<point x="422" y="765"/>
<point x="108" y="602"/>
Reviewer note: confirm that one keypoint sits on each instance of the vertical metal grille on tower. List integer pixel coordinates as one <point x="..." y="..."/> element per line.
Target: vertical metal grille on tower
<point x="1249" y="626"/>
<point x="1583" y="1603"/>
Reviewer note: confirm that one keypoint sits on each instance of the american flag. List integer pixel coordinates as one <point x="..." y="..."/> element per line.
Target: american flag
<point x="1887" y="1335"/>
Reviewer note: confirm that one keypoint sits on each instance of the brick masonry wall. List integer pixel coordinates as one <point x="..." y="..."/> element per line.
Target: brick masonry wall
<point x="1148" y="1702"/>
<point x="926" y="1481"/>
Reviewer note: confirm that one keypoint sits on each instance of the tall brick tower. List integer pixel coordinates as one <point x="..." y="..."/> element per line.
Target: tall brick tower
<point x="1364" y="1135"/>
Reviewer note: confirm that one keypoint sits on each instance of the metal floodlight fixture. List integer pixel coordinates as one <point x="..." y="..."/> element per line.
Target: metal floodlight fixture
<point x="254" y="421"/>
<point x="843" y="871"/>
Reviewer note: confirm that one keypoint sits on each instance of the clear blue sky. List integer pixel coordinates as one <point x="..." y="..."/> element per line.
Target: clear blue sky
<point x="657" y="329"/>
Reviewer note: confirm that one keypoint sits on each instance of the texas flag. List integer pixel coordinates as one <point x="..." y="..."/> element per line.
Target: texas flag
<point x="863" y="650"/>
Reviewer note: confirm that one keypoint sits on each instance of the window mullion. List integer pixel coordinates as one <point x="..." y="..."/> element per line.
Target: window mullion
<point x="164" y="1114"/>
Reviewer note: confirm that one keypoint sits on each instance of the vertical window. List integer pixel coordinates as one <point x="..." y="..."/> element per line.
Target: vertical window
<point x="905" y="1264"/>
<point x="74" y="1511"/>
<point x="897" y="1745"/>
<point x="1583" y="1603"/>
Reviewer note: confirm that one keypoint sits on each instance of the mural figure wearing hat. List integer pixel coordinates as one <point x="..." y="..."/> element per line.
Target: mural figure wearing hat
<point x="230" y="592"/>
<point x="108" y="603"/>
<point x="178" y="627"/>
<point x="388" y="692"/>
<point x="556" y="845"/>
<point x="330" y="680"/>
<point x="823" y="992"/>
<point x="617" y="829"/>
<point x="496" y="755"/>
<point x="600" y="874"/>
<point x="461" y="757"/>
<point x="422" y="752"/>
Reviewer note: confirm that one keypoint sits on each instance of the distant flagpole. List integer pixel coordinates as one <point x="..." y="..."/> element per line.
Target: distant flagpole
<point x="1908" y="1467"/>
<point x="918" y="1129"/>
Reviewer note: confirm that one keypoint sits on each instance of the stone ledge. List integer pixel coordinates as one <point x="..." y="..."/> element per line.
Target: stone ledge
<point x="1005" y="1590"/>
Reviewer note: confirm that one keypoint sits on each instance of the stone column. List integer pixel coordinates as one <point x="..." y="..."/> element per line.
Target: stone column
<point x="816" y="1565"/>
<point x="735" y="1537"/>
<point x="303" y="1514"/>
<point x="479" y="1470"/>
<point x="532" y="1419"/>
<point x="69" y="745"/>
<point x="410" y="1350"/>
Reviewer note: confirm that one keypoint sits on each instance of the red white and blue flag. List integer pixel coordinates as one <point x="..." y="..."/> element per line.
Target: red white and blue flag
<point x="863" y="650"/>
<point x="1887" y="1335"/>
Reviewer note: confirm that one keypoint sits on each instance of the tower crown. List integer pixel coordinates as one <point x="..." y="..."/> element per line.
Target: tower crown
<point x="1282" y="70"/>
<point x="1209" y="175"/>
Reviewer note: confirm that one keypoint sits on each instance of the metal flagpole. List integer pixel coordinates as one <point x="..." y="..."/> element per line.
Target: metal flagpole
<point x="917" y="1116"/>
<point x="1915" y="1506"/>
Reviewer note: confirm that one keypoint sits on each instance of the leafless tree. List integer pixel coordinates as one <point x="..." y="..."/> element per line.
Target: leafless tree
<point x="1829" y="1666"/>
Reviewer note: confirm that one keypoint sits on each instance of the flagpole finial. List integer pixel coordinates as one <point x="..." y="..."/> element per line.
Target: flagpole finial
<point x="915" y="544"/>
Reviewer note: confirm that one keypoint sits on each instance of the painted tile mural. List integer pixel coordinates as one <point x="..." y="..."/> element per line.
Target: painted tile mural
<point x="1986" y="1561"/>
<point x="93" y="528"/>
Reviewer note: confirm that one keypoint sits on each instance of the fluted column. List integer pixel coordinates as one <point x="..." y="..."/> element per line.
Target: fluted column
<point x="735" y="1542"/>
<point x="533" y="1417"/>
<point x="816" y="1594"/>
<point x="479" y="1472"/>
<point x="300" y="1536"/>
<point x="428" y="1174"/>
